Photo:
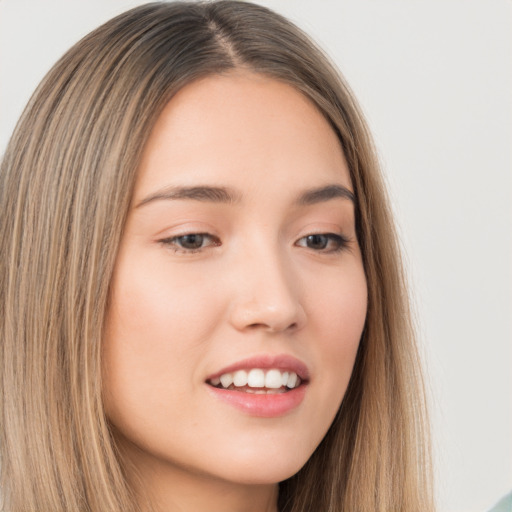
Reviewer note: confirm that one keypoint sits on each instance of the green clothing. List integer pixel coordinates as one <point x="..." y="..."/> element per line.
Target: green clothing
<point x="504" y="505"/>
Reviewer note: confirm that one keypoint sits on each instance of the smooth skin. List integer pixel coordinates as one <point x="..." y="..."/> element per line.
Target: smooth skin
<point x="204" y="280"/>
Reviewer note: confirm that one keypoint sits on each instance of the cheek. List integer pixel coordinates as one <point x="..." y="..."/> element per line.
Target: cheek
<point x="156" y="330"/>
<point x="340" y="311"/>
<point x="150" y="306"/>
<point x="339" y="319"/>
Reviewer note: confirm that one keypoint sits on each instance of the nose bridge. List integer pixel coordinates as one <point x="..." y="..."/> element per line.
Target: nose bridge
<point x="268" y="294"/>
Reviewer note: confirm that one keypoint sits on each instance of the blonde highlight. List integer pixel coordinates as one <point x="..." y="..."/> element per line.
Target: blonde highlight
<point x="66" y="183"/>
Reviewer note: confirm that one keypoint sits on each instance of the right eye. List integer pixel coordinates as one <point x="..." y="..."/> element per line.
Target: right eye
<point x="191" y="242"/>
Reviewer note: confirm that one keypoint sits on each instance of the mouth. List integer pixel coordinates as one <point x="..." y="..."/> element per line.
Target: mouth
<point x="258" y="381"/>
<point x="263" y="386"/>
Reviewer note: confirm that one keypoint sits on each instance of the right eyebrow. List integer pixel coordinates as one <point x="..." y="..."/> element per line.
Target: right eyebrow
<point x="197" y="193"/>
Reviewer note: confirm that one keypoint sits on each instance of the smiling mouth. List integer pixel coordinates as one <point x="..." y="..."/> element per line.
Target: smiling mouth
<point x="257" y="381"/>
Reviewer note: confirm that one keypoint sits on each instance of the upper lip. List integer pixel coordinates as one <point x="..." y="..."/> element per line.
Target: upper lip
<point x="284" y="362"/>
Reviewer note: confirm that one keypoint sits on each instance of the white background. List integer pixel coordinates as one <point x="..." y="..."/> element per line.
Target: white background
<point x="434" y="79"/>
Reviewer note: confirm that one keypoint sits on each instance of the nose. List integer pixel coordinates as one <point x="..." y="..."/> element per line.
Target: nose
<point x="267" y="296"/>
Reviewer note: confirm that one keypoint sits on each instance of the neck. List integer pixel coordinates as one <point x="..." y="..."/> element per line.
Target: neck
<point x="164" y="487"/>
<point x="206" y="495"/>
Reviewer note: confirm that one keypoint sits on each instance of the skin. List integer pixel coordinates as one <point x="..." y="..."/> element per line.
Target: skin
<point x="256" y="285"/>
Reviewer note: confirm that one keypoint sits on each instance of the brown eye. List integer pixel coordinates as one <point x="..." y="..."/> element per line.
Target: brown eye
<point x="323" y="242"/>
<point x="191" y="242"/>
<point x="317" y="242"/>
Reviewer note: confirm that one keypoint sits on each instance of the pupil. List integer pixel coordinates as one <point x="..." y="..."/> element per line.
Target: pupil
<point x="317" y="241"/>
<point x="193" y="241"/>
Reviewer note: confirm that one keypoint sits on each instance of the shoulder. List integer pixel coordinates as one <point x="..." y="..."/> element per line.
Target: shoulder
<point x="504" y="505"/>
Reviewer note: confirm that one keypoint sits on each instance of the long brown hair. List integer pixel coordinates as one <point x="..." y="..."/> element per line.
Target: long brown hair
<point x="66" y="181"/>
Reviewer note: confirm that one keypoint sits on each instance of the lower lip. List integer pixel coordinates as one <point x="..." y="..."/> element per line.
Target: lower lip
<point x="262" y="406"/>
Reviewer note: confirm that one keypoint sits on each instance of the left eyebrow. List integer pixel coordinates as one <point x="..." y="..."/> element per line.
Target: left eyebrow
<point x="326" y="193"/>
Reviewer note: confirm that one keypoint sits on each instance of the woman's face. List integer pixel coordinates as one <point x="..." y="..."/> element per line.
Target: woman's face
<point x="239" y="261"/>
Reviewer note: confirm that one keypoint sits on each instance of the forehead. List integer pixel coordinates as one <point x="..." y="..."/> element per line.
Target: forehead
<point x="237" y="129"/>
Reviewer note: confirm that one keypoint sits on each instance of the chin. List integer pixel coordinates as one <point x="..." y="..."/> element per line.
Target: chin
<point x="273" y="470"/>
<point x="267" y="476"/>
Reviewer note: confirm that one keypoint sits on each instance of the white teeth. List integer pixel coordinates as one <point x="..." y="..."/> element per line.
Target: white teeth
<point x="240" y="378"/>
<point x="273" y="379"/>
<point x="292" y="380"/>
<point x="226" y="380"/>
<point x="258" y="379"/>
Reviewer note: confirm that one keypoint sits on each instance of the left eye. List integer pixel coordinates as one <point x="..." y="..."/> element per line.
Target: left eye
<point x="326" y="242"/>
<point x="191" y="242"/>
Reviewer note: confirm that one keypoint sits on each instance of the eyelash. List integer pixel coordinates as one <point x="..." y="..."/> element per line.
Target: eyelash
<point x="340" y="242"/>
<point x="174" y="244"/>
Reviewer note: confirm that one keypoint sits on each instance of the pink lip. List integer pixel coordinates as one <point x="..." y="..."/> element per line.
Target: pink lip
<point x="268" y="405"/>
<point x="280" y="362"/>
<point x="263" y="406"/>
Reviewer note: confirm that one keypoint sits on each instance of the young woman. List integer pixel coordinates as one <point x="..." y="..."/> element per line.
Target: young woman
<point x="203" y="305"/>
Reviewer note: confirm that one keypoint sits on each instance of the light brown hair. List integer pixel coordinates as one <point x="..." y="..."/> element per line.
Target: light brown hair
<point x="66" y="182"/>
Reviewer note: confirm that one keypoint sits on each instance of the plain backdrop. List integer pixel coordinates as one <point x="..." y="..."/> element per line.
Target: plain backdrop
<point x="434" y="78"/>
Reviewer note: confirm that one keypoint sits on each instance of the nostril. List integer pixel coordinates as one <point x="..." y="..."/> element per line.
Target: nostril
<point x="273" y="327"/>
<point x="266" y="315"/>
